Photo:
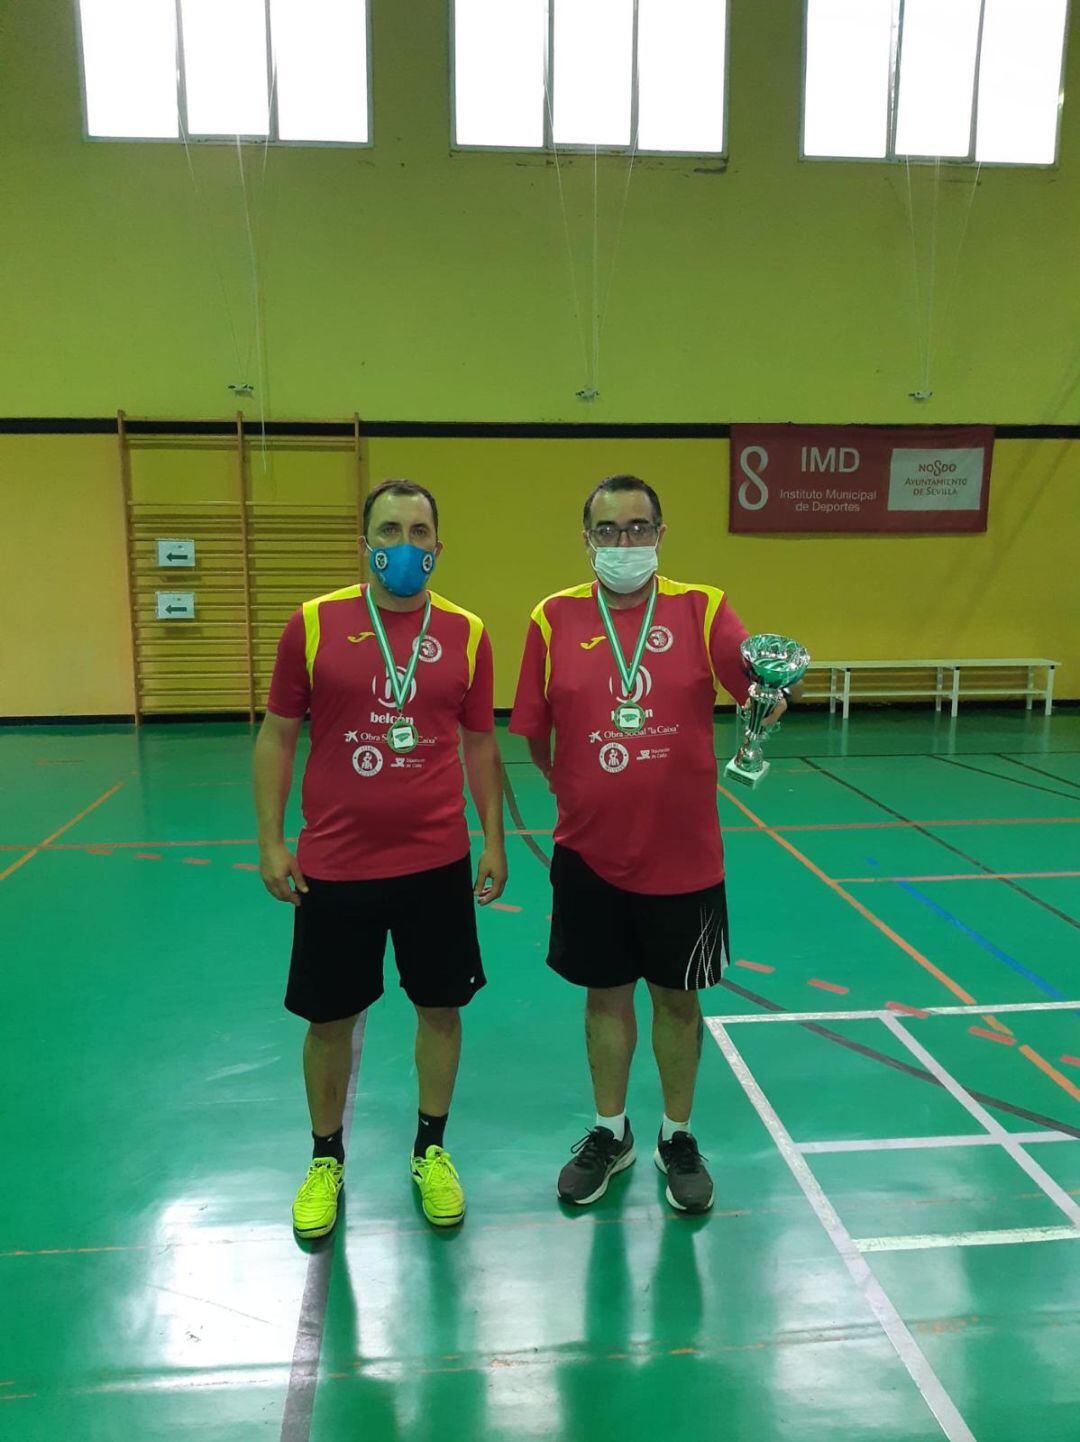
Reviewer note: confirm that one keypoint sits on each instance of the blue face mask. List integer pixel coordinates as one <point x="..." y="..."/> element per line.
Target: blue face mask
<point x="404" y="570"/>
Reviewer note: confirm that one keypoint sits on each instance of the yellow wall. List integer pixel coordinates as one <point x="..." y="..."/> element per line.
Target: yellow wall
<point x="408" y="282"/>
<point x="511" y="524"/>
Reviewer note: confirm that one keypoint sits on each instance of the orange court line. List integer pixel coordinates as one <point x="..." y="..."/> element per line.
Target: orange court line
<point x="895" y="937"/>
<point x="755" y="966"/>
<point x="502" y="906"/>
<point x="907" y="1010"/>
<point x="1070" y="1060"/>
<point x="29" y="855"/>
<point x="828" y="986"/>
<point x="1051" y="1072"/>
<point x="960" y="876"/>
<point x="992" y="1035"/>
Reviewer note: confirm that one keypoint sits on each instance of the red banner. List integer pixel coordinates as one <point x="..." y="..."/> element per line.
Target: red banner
<point x="860" y="478"/>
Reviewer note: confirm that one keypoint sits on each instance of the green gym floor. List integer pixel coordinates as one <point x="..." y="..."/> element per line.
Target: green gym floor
<point x="895" y="1249"/>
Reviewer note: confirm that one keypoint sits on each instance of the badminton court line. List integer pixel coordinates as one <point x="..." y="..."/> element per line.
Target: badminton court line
<point x="914" y="1144"/>
<point x="878" y="1014"/>
<point x="41" y="845"/>
<point x="903" y="1342"/>
<point x="1042" y="1179"/>
<point x="894" y="936"/>
<point x="1024" y="1236"/>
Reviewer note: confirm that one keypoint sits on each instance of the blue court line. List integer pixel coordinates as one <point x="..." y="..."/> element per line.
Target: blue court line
<point x="979" y="939"/>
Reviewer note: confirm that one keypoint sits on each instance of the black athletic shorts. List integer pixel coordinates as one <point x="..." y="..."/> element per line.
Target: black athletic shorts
<point x="603" y="936"/>
<point x="339" y="941"/>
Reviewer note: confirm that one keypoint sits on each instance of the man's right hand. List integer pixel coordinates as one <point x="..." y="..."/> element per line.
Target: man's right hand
<point x="278" y="868"/>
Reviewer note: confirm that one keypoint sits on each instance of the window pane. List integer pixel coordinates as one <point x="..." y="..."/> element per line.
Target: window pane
<point x="320" y="56"/>
<point x="593" y="70"/>
<point x="681" y="74"/>
<point x="848" y="69"/>
<point x="937" y="77"/>
<point x="129" y="64"/>
<point x="1020" y="80"/>
<point x="225" y="66"/>
<point x="499" y="51"/>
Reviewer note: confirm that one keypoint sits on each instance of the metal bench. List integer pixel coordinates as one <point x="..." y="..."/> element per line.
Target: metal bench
<point x="941" y="680"/>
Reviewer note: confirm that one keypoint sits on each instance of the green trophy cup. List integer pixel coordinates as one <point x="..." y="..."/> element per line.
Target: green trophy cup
<point x="772" y="662"/>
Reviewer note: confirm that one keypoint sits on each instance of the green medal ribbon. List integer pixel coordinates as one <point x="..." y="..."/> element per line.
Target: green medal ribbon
<point x="628" y="674"/>
<point x="399" y="685"/>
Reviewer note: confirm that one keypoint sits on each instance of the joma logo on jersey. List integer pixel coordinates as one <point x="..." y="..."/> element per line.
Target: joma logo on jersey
<point x="363" y="636"/>
<point x="588" y="645"/>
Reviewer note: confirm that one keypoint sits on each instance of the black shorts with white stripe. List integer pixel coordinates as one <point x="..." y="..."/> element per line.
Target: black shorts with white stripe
<point x="603" y="936"/>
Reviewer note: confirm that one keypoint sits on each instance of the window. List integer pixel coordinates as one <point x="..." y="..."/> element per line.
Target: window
<point x="615" y="74"/>
<point x="966" y="80"/>
<point x="281" y="70"/>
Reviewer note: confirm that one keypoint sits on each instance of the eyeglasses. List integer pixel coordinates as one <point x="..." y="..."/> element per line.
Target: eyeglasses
<point x="607" y="533"/>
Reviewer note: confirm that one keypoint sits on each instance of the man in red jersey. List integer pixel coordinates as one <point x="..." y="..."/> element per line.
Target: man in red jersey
<point x="625" y="670"/>
<point x="392" y="675"/>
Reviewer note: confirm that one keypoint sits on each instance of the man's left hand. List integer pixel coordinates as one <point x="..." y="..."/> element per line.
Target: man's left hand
<point x="490" y="875"/>
<point x="773" y="718"/>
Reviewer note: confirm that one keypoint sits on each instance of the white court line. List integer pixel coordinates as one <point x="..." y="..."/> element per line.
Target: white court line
<point x="1042" y="1179"/>
<point x="904" y="1344"/>
<point x="974" y="1010"/>
<point x="968" y="1239"/>
<point x="904" y="1144"/>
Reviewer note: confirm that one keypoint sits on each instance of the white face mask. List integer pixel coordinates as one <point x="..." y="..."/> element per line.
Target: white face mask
<point x="624" y="569"/>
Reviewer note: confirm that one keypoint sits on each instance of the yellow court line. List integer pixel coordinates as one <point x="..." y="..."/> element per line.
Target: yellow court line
<point x="29" y="855"/>
<point x="905" y="946"/>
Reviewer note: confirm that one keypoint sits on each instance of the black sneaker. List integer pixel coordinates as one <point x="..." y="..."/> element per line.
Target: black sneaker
<point x="689" y="1188"/>
<point x="596" y="1159"/>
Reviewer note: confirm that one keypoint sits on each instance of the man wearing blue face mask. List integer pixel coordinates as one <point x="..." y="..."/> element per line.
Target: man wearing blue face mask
<point x="625" y="671"/>
<point x="393" y="676"/>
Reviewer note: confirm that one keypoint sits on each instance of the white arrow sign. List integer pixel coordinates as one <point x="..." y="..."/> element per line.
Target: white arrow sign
<point x="176" y="605"/>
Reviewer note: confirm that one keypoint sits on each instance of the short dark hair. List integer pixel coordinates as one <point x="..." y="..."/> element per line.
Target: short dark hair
<point x="401" y="487"/>
<point x="623" y="483"/>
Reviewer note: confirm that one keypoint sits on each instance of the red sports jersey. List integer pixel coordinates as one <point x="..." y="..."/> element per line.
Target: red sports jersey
<point x="367" y="812"/>
<point x="640" y="809"/>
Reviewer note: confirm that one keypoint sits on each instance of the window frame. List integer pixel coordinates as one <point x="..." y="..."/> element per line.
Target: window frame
<point x="547" y="148"/>
<point x="185" y="137"/>
<point x="891" y="157"/>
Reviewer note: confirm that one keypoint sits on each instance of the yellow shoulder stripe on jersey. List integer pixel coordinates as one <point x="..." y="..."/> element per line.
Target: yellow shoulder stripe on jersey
<point x="540" y="616"/>
<point x="713" y="600"/>
<point x="311" y="623"/>
<point x="476" y="628"/>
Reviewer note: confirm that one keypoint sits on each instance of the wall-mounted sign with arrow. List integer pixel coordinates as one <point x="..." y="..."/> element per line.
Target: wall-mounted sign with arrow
<point x="175" y="605"/>
<point x="176" y="553"/>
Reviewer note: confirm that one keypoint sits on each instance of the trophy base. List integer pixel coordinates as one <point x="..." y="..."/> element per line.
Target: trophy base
<point x="736" y="773"/>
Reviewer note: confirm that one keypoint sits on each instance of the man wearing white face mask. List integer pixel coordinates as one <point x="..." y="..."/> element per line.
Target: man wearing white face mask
<point x="625" y="671"/>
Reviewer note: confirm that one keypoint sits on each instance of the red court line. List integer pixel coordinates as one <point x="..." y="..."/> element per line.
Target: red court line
<point x="29" y="856"/>
<point x="828" y="986"/>
<point x="755" y="966"/>
<point x="502" y="906"/>
<point x="992" y="1035"/>
<point x="959" y="876"/>
<point x="196" y="861"/>
<point x="244" y="866"/>
<point x="1052" y="1072"/>
<point x="1070" y="1060"/>
<point x="146" y="856"/>
<point x="907" y="1010"/>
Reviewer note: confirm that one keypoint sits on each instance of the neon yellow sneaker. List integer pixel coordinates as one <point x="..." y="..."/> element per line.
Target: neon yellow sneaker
<point x="440" y="1189"/>
<point x="315" y="1210"/>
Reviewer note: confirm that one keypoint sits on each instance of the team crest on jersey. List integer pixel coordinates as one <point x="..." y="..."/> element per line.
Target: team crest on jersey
<point x="430" y="649"/>
<point x="660" y="640"/>
<point x="643" y="684"/>
<point x="614" y="758"/>
<point x="367" y="761"/>
<point x="386" y="695"/>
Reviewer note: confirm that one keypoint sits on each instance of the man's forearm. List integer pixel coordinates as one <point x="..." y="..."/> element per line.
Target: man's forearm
<point x="540" y="751"/>
<point x="484" y="772"/>
<point x="273" y="781"/>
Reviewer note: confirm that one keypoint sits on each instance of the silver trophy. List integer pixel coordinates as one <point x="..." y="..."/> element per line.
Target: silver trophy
<point x="773" y="662"/>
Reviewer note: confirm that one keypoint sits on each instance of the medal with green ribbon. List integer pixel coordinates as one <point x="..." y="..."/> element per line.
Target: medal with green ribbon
<point x="403" y="736"/>
<point x="628" y="716"/>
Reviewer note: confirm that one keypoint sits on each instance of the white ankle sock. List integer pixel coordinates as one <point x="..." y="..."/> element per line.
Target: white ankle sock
<point x="615" y="1125"/>
<point x="668" y="1128"/>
